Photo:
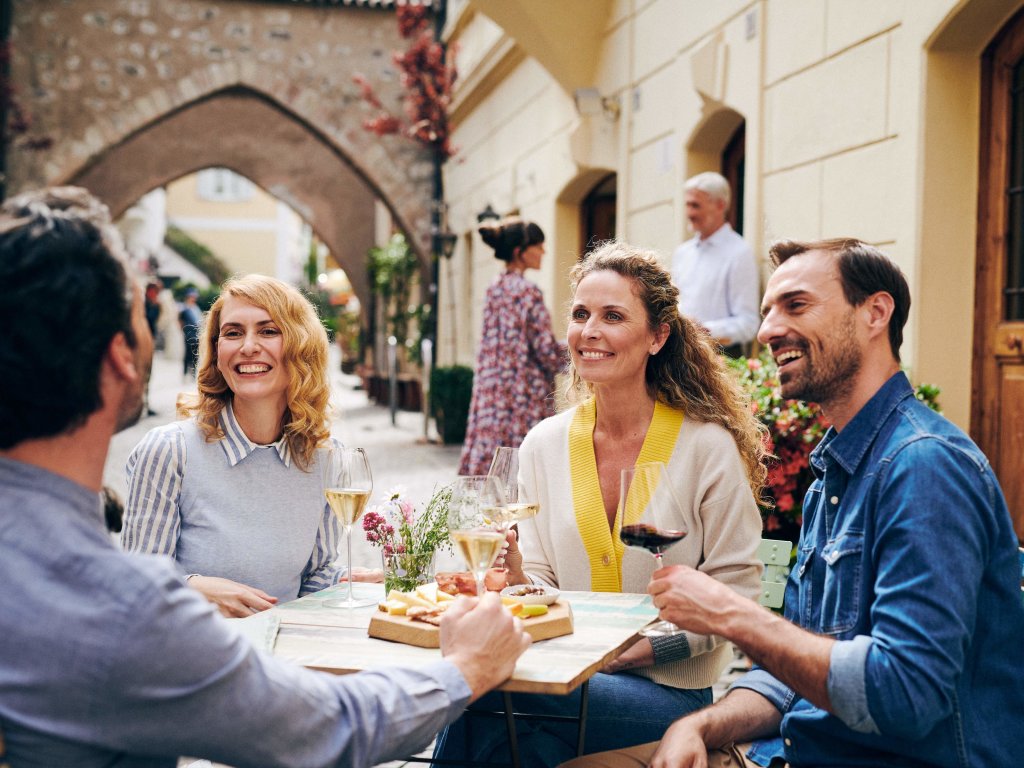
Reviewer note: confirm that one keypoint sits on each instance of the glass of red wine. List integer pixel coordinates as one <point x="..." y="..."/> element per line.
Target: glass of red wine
<point x="649" y="515"/>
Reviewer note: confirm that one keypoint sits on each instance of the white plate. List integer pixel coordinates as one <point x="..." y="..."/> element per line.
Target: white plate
<point x="549" y="596"/>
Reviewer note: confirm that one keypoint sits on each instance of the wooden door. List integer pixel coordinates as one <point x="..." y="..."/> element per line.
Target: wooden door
<point x="597" y="214"/>
<point x="997" y="414"/>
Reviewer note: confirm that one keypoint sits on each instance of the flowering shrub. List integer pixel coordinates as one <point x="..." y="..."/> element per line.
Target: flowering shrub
<point x="395" y="527"/>
<point x="794" y="429"/>
<point x="427" y="78"/>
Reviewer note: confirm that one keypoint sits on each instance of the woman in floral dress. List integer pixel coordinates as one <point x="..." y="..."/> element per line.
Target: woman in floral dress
<point x="514" y="381"/>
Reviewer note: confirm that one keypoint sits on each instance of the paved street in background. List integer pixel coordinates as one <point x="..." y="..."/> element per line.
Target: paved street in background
<point x="399" y="455"/>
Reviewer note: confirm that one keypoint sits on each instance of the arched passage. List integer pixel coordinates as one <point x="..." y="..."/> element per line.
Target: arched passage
<point x="246" y="131"/>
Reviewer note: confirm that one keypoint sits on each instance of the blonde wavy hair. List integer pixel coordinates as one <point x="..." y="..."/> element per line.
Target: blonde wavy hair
<point x="688" y="373"/>
<point x="306" y="417"/>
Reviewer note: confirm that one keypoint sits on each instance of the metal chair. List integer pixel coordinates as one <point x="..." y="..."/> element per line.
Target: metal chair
<point x="775" y="555"/>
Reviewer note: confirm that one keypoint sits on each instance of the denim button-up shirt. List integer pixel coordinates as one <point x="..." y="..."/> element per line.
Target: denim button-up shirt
<point x="907" y="557"/>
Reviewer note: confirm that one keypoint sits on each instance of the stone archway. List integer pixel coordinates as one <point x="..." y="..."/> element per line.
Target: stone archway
<point x="134" y="94"/>
<point x="288" y="159"/>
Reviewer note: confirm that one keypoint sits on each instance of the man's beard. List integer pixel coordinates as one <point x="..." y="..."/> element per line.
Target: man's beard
<point x="130" y="408"/>
<point x="828" y="374"/>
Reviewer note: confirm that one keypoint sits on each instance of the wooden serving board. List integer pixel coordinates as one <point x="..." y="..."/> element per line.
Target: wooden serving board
<point x="556" y="622"/>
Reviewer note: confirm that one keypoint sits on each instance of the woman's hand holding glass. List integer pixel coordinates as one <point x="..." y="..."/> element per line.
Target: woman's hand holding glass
<point x="505" y="467"/>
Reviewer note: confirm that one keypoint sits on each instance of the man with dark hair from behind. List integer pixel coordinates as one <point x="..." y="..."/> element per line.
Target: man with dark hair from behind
<point x="108" y="658"/>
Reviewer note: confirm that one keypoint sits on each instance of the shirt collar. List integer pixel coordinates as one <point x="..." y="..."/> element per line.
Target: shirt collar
<point x="849" y="447"/>
<point x="237" y="446"/>
<point x="715" y="237"/>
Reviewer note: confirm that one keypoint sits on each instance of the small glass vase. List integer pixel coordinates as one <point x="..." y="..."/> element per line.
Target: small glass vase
<point x="406" y="571"/>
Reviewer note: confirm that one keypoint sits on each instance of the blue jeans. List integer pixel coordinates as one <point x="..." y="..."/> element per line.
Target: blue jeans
<point x="623" y="710"/>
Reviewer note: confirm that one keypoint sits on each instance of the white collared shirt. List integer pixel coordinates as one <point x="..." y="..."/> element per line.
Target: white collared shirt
<point x="719" y="285"/>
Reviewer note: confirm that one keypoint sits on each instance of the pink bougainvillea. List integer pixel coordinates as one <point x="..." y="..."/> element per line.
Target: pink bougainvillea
<point x="427" y="78"/>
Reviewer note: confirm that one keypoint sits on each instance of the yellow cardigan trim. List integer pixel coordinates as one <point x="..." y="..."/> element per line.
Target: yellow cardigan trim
<point x="604" y="551"/>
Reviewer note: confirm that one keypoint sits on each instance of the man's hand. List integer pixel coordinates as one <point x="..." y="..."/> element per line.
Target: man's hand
<point x="640" y="654"/>
<point x="234" y="600"/>
<point x="483" y="640"/>
<point x="682" y="746"/>
<point x="742" y="715"/>
<point x="694" y="601"/>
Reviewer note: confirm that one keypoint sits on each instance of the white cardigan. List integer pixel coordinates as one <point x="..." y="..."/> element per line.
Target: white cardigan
<point x="718" y="512"/>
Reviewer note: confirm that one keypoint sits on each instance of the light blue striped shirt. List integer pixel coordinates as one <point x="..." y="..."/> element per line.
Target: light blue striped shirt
<point x="231" y="508"/>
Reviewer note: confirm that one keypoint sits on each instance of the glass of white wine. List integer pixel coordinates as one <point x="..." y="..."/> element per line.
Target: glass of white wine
<point x="648" y="519"/>
<point x="477" y="522"/>
<point x="347" y="486"/>
<point x="505" y="467"/>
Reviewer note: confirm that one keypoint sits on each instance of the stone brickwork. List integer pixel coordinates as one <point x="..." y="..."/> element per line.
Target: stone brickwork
<point x="135" y="93"/>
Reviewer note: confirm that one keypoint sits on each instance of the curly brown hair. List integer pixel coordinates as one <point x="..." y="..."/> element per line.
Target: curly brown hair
<point x="688" y="373"/>
<point x="306" y="420"/>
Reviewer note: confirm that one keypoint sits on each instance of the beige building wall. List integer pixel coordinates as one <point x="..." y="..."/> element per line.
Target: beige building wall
<point x="861" y="119"/>
<point x="257" y="233"/>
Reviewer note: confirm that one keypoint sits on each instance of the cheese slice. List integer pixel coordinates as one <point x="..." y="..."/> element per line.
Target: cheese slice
<point x="410" y="599"/>
<point x="428" y="592"/>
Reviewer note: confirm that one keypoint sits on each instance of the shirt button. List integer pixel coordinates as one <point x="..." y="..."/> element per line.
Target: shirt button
<point x="787" y="742"/>
<point x="606" y="560"/>
<point x="834" y="499"/>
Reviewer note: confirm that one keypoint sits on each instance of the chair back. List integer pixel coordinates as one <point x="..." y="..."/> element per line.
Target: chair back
<point x="775" y="555"/>
<point x="1020" y="557"/>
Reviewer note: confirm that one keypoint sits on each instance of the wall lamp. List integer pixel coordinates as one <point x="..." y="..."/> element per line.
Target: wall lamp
<point x="589" y="101"/>
<point x="487" y="214"/>
<point x="444" y="243"/>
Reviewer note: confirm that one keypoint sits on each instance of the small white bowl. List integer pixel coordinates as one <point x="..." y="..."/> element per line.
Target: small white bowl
<point x="547" y="597"/>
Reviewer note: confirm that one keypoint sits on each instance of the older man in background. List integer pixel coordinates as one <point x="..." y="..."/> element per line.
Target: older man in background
<point x="715" y="271"/>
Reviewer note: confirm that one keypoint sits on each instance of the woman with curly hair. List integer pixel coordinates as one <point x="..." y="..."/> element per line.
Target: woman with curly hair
<point x="234" y="492"/>
<point x="648" y="385"/>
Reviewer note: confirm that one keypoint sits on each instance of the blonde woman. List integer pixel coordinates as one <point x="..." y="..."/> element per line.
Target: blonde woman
<point x="648" y="385"/>
<point x="234" y="491"/>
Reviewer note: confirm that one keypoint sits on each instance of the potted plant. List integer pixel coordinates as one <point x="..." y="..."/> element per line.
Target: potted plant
<point x="451" y="390"/>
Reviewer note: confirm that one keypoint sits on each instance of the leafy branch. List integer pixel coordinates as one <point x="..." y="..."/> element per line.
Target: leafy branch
<point x="428" y="80"/>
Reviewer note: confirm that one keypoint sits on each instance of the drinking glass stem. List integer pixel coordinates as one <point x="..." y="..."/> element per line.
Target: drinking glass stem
<point x="348" y="563"/>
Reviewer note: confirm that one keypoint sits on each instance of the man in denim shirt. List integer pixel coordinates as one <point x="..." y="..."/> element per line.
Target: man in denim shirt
<point x="904" y="623"/>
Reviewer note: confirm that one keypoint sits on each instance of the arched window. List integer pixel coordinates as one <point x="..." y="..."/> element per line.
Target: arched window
<point x="597" y="213"/>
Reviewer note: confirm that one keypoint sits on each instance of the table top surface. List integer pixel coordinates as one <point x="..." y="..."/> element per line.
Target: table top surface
<point x="336" y="640"/>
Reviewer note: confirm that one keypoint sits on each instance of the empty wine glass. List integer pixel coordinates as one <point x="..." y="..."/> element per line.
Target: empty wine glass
<point x="648" y="517"/>
<point x="477" y="522"/>
<point x="347" y="486"/>
<point x="505" y="467"/>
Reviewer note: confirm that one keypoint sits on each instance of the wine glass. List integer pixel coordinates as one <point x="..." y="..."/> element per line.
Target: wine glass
<point x="347" y="486"/>
<point x="477" y="522"/>
<point x="505" y="467"/>
<point x="647" y="516"/>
